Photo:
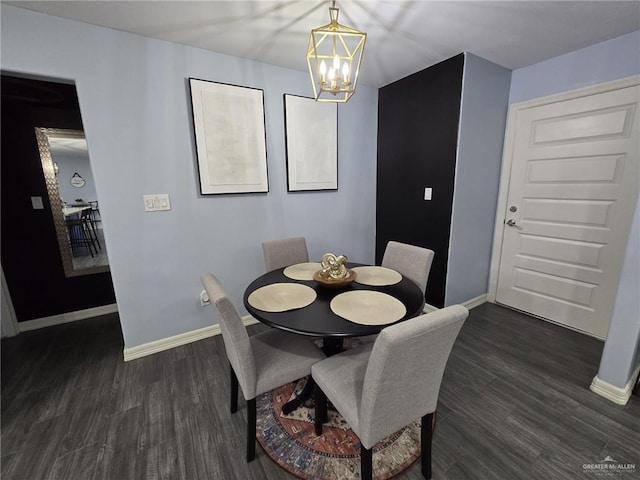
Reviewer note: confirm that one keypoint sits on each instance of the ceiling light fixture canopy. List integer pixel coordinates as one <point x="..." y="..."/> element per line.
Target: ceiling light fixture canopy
<point x="333" y="57"/>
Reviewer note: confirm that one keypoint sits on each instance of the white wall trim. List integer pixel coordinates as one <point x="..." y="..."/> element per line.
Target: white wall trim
<point x="67" y="317"/>
<point x="177" y="340"/>
<point x="616" y="394"/>
<point x="9" y="323"/>
<point x="474" y="302"/>
<point x="213" y="330"/>
<point x="507" y="159"/>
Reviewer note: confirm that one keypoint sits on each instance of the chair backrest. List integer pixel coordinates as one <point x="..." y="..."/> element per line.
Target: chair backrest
<point x="284" y="252"/>
<point x="234" y="335"/>
<point x="411" y="261"/>
<point x="404" y="373"/>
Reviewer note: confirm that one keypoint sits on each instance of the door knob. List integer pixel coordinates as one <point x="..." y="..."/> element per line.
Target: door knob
<point x="511" y="223"/>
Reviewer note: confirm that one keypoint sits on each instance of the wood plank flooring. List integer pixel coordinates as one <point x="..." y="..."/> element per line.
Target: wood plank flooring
<point x="83" y="259"/>
<point x="514" y="404"/>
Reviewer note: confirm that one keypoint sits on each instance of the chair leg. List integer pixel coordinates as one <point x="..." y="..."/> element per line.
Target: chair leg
<point x="426" y="437"/>
<point x="251" y="429"/>
<point x="320" y="413"/>
<point x="92" y="223"/>
<point x="88" y="237"/>
<point x="234" y="390"/>
<point x="366" y="463"/>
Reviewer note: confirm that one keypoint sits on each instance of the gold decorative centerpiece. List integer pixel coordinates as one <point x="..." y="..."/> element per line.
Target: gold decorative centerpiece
<point x="334" y="272"/>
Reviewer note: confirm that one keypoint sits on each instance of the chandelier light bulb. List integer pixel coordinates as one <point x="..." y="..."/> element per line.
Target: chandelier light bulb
<point x="345" y="72"/>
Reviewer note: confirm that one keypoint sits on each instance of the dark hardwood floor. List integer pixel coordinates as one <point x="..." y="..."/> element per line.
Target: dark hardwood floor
<point x="83" y="259"/>
<point x="514" y="404"/>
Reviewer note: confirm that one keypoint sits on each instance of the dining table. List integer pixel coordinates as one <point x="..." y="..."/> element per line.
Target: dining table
<point x="290" y="299"/>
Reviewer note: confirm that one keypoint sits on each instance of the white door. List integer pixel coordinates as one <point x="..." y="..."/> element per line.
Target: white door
<point x="572" y="193"/>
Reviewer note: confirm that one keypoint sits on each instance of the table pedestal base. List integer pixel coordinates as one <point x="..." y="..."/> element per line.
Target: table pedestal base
<point x="330" y="346"/>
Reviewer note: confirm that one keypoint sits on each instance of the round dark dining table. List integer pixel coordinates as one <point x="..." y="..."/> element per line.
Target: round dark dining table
<point x="318" y="320"/>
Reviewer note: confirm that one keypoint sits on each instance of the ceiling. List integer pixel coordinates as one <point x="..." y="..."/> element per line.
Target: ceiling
<point x="403" y="36"/>
<point x="68" y="148"/>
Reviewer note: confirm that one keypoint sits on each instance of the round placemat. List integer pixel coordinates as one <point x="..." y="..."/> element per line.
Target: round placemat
<point x="302" y="271"/>
<point x="367" y="307"/>
<point x="377" y="276"/>
<point x="280" y="297"/>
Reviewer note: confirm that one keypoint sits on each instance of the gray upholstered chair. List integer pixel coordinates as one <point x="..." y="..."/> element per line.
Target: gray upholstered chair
<point x="259" y="363"/>
<point x="284" y="252"/>
<point x="411" y="261"/>
<point x="381" y="387"/>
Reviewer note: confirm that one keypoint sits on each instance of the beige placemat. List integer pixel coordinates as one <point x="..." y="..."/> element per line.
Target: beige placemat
<point x="280" y="297"/>
<point x="367" y="307"/>
<point x="377" y="276"/>
<point x="302" y="271"/>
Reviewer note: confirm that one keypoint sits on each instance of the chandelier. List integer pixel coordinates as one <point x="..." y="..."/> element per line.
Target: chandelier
<point x="333" y="57"/>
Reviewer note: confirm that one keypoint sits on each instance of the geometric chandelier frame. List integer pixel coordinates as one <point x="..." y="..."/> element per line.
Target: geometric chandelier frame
<point x="334" y="56"/>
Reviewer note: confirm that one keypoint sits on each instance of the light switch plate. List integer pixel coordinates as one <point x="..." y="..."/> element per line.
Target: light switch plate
<point x="427" y="193"/>
<point x="157" y="202"/>
<point x="36" y="203"/>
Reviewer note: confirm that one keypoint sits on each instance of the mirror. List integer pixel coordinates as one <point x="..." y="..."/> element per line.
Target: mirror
<point x="73" y="199"/>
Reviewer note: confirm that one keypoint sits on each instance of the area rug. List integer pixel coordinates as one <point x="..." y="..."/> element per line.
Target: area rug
<point x="291" y="442"/>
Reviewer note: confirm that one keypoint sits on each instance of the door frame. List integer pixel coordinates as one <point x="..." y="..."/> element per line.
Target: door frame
<point x="507" y="160"/>
<point x="10" y="326"/>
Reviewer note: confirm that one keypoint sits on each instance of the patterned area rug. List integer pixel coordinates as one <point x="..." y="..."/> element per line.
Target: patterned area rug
<point x="291" y="442"/>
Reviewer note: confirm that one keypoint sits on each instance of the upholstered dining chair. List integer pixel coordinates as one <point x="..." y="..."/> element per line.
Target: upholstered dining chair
<point x="284" y="252"/>
<point x="258" y="363"/>
<point x="411" y="261"/>
<point x="382" y="387"/>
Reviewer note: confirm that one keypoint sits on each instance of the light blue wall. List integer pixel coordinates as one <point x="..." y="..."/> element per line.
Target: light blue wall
<point x="133" y="94"/>
<point x="67" y="166"/>
<point x="620" y="354"/>
<point x="606" y="61"/>
<point x="483" y="116"/>
<point x="603" y="62"/>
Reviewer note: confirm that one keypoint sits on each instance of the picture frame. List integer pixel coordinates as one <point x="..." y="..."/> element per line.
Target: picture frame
<point x="230" y="137"/>
<point x="311" y="137"/>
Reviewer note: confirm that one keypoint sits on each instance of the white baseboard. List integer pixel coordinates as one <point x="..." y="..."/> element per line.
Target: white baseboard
<point x="206" y="332"/>
<point x="67" y="317"/>
<point x="177" y="340"/>
<point x="474" y="302"/>
<point x="616" y="394"/>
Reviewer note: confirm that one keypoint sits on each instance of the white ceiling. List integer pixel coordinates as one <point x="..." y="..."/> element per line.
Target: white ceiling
<point x="403" y="36"/>
<point x="62" y="147"/>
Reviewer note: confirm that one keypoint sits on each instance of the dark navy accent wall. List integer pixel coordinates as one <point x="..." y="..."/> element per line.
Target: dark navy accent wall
<point x="418" y="119"/>
<point x="30" y="253"/>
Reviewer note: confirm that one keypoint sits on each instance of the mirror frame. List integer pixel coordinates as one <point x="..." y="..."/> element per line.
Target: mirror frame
<point x="42" y="136"/>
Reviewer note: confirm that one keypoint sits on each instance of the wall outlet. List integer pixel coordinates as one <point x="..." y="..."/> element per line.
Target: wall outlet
<point x="428" y="191"/>
<point x="156" y="203"/>
<point x="204" y="298"/>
